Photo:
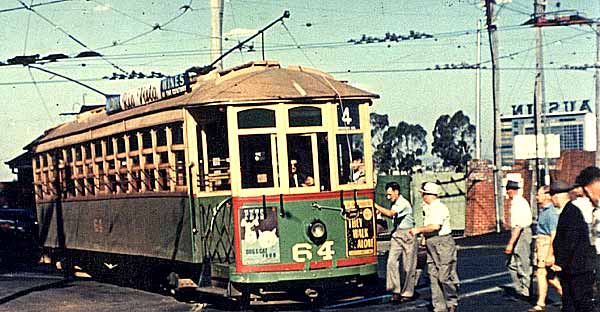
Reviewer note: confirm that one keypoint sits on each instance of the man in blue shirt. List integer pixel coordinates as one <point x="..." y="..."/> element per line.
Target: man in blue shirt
<point x="402" y="244"/>
<point x="544" y="255"/>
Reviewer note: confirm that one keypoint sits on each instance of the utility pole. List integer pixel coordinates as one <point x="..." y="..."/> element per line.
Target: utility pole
<point x="597" y="112"/>
<point x="478" y="94"/>
<point x="538" y="99"/>
<point x="493" y="40"/>
<point x="216" y="9"/>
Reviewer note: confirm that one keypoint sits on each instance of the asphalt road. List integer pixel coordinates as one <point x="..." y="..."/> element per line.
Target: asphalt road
<point x="481" y="270"/>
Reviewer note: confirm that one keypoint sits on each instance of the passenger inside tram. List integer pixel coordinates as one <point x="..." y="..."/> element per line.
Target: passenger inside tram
<point x="297" y="177"/>
<point x="358" y="168"/>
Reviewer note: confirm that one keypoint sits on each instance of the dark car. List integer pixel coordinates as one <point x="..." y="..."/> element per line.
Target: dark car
<point x="18" y="236"/>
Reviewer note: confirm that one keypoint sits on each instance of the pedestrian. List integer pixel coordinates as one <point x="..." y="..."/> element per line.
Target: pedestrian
<point x="441" y="249"/>
<point x="518" y="247"/>
<point x="573" y="248"/>
<point x="546" y="231"/>
<point x="402" y="246"/>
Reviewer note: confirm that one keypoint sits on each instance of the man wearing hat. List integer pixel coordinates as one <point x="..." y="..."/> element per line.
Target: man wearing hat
<point x="573" y="250"/>
<point x="519" y="244"/>
<point x="546" y="231"/>
<point x="441" y="249"/>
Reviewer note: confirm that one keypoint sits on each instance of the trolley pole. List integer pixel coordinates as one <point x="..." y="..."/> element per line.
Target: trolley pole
<point x="493" y="40"/>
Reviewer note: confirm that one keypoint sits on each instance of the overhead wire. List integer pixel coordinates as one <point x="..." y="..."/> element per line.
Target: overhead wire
<point x="68" y="34"/>
<point x="296" y="43"/>
<point x="35" y="5"/>
<point x="184" y="9"/>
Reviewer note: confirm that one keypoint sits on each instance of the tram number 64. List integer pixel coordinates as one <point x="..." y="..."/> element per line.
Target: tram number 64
<point x="302" y="252"/>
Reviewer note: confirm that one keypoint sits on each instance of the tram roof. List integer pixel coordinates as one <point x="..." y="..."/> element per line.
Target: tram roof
<point x="251" y="83"/>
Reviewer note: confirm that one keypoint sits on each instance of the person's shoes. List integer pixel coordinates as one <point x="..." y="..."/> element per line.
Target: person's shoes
<point x="537" y="308"/>
<point x="523" y="297"/>
<point x="407" y="299"/>
<point x="396" y="299"/>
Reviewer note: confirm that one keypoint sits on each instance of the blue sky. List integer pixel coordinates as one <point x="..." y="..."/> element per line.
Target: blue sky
<point x="396" y="71"/>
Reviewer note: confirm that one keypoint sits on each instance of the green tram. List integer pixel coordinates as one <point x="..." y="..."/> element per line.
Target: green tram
<point x="251" y="180"/>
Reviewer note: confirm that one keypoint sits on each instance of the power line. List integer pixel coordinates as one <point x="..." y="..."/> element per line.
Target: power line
<point x="33" y="5"/>
<point x="66" y="33"/>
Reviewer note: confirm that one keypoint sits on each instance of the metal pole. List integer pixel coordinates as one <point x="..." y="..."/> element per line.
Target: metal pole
<point x="478" y="95"/>
<point x="216" y="9"/>
<point x="597" y="112"/>
<point x="493" y="39"/>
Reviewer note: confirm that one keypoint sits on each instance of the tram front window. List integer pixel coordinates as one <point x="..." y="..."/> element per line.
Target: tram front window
<point x="256" y="161"/>
<point x="300" y="156"/>
<point x="350" y="150"/>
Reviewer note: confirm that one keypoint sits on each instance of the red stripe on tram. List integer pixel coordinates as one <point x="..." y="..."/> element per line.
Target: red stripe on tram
<point x="269" y="267"/>
<point x="321" y="264"/>
<point x="356" y="261"/>
<point x="305" y="196"/>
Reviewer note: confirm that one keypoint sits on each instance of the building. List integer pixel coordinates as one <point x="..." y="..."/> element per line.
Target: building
<point x="573" y="121"/>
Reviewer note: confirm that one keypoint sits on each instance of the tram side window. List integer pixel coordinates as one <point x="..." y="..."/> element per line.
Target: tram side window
<point x="350" y="150"/>
<point x="256" y="161"/>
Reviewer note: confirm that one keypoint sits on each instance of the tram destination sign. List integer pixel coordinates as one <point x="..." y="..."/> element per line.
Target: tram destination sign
<point x="149" y="93"/>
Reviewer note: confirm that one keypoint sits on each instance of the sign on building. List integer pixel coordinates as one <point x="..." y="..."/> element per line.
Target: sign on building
<point x="525" y="147"/>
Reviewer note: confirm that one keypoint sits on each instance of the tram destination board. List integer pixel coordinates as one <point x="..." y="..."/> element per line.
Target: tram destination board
<point x="360" y="229"/>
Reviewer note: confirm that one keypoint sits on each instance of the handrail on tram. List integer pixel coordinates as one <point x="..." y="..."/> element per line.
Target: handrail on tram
<point x="216" y="211"/>
<point x="346" y="213"/>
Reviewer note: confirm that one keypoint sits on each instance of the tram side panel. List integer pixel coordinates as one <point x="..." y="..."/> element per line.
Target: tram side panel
<point x="156" y="227"/>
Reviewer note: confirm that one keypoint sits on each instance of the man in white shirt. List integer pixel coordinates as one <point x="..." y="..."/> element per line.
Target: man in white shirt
<point x="441" y="249"/>
<point x="519" y="244"/>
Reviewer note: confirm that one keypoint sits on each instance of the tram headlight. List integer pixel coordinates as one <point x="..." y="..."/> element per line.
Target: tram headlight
<point x="317" y="232"/>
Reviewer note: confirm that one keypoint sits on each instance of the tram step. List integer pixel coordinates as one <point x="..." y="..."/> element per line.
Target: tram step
<point x="217" y="291"/>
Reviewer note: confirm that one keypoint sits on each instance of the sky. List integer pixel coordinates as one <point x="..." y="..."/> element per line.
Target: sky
<point x="171" y="36"/>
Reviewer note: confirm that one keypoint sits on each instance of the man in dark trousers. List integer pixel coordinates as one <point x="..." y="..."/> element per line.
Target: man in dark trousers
<point x="573" y="249"/>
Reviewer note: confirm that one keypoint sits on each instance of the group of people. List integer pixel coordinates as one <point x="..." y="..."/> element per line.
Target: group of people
<point x="434" y="234"/>
<point x="565" y="243"/>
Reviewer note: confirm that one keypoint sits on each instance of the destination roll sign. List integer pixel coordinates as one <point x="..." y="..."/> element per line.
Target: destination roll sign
<point x="155" y="91"/>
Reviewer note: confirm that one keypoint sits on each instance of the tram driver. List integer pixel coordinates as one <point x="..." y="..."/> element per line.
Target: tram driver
<point x="297" y="177"/>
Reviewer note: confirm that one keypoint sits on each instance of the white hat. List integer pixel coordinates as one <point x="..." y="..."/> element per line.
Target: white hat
<point x="430" y="188"/>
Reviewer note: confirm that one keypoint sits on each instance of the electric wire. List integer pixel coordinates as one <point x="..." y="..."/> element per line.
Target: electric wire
<point x="298" y="45"/>
<point x="35" y="5"/>
<point x="68" y="34"/>
<point x="39" y="93"/>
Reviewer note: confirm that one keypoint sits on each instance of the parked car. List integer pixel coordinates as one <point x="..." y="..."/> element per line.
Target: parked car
<point x="18" y="236"/>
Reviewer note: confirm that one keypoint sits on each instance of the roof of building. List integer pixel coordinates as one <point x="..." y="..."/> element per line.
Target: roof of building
<point x="265" y="81"/>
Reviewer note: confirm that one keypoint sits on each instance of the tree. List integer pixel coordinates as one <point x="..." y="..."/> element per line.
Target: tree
<point x="379" y="125"/>
<point x="454" y="140"/>
<point x="400" y="147"/>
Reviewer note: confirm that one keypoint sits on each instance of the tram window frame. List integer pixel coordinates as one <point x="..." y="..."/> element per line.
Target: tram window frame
<point x="366" y="150"/>
<point x="234" y="134"/>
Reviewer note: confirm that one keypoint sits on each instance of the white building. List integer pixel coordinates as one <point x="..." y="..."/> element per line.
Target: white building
<point x="572" y="120"/>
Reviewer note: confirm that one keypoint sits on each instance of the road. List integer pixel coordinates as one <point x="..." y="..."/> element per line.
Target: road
<point x="480" y="265"/>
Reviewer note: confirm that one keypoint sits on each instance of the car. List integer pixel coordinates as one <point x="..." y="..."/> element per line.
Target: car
<point x="18" y="236"/>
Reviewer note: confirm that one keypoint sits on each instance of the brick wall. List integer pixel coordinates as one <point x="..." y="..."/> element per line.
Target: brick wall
<point x="570" y="163"/>
<point x="480" y="213"/>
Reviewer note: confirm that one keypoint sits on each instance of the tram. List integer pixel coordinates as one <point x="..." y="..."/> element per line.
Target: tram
<point x="250" y="181"/>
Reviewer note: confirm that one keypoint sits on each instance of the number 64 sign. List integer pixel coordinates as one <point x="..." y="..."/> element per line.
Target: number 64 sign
<point x="302" y="252"/>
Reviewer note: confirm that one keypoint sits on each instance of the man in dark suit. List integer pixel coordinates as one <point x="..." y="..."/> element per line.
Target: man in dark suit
<point x="298" y="178"/>
<point x="573" y="250"/>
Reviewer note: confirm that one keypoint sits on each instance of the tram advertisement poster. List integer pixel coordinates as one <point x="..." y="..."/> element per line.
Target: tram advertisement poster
<point x="259" y="235"/>
<point x="360" y="229"/>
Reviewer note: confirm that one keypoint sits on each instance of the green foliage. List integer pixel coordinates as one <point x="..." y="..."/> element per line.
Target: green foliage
<point x="454" y="140"/>
<point x="396" y="148"/>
